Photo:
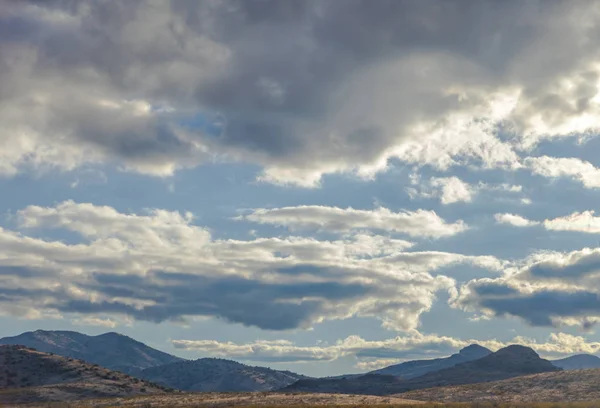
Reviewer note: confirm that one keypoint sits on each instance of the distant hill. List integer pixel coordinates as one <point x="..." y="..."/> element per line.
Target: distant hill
<point x="561" y="387"/>
<point x="511" y="361"/>
<point x="578" y="362"/>
<point x="416" y="368"/>
<point x="213" y="374"/>
<point x="28" y="375"/>
<point x="369" y="384"/>
<point x="508" y="362"/>
<point x="110" y="350"/>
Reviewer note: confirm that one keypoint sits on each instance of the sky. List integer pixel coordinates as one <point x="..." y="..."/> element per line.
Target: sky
<point x="321" y="186"/>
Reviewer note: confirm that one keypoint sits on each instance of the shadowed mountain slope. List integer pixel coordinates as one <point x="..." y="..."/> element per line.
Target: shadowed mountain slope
<point x="212" y="374"/>
<point x="416" y="368"/>
<point x="578" y="362"/>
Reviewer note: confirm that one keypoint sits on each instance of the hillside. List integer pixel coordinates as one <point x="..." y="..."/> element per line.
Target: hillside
<point x="416" y="368"/>
<point x="28" y="375"/>
<point x="578" y="362"/>
<point x="511" y="361"/>
<point x="212" y="374"/>
<point x="561" y="386"/>
<point x="110" y="350"/>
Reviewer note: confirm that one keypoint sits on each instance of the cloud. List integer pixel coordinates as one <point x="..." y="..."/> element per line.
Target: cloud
<point x="548" y="289"/>
<point x="373" y="354"/>
<point x="584" y="221"/>
<point x="154" y="88"/>
<point x="514" y="219"/>
<point x="414" y="344"/>
<point x="450" y="190"/>
<point x="579" y="221"/>
<point x="159" y="266"/>
<point x="554" y="167"/>
<point x="420" y="223"/>
<point x="94" y="321"/>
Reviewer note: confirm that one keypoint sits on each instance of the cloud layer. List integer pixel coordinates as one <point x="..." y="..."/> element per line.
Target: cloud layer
<point x="160" y="266"/>
<point x="153" y="87"/>
<point x="372" y="354"/>
<point x="420" y="223"/>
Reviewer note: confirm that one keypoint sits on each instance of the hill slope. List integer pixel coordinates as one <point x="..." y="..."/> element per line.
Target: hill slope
<point x="578" y="362"/>
<point x="212" y="374"/>
<point x="416" y="368"/>
<point x="511" y="361"/>
<point x="111" y="350"/>
<point x="28" y="375"/>
<point x="561" y="386"/>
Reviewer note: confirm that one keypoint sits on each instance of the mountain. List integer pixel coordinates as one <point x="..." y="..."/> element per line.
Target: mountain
<point x="560" y="387"/>
<point x="110" y="350"/>
<point x="28" y="375"/>
<point x="213" y="374"/>
<point x="578" y="362"/>
<point x="416" y="368"/>
<point x="511" y="361"/>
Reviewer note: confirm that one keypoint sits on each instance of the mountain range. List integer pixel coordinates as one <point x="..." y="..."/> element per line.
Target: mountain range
<point x="508" y="362"/>
<point x="117" y="352"/>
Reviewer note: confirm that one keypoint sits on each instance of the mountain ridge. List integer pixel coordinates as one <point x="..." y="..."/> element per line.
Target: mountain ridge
<point x="111" y="350"/>
<point x="214" y="374"/>
<point x="416" y="368"/>
<point x="508" y="362"/>
<point x="578" y="362"/>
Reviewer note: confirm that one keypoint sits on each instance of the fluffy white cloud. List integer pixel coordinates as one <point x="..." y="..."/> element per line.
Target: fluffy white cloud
<point x="514" y="219"/>
<point x="451" y="190"/>
<point x="160" y="266"/>
<point x="420" y="223"/>
<point x="373" y="354"/>
<point x="94" y="321"/>
<point x="580" y="170"/>
<point x="153" y="87"/>
<point x="584" y="221"/>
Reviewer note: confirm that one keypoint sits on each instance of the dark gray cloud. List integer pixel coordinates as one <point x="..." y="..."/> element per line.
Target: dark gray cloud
<point x="267" y="305"/>
<point x="301" y="89"/>
<point x="551" y="289"/>
<point x="577" y="269"/>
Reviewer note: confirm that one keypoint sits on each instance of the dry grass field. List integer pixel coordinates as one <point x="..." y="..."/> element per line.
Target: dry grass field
<point x="555" y="387"/>
<point x="280" y="400"/>
<point x="250" y="399"/>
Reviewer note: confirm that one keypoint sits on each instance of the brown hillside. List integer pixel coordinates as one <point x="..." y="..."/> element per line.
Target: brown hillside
<point x="28" y="375"/>
<point x="561" y="386"/>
